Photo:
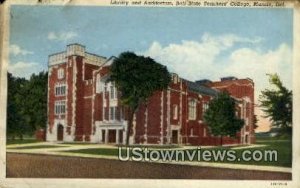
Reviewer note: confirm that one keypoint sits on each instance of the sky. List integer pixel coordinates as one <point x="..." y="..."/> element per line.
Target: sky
<point x="206" y="43"/>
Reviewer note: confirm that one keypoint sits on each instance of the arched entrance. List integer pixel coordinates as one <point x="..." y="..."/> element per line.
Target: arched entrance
<point x="60" y="132"/>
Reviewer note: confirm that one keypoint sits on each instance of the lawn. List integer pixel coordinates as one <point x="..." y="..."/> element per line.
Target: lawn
<point x="18" y="141"/>
<point x="78" y="143"/>
<point x="37" y="147"/>
<point x="284" y="153"/>
<point x="283" y="148"/>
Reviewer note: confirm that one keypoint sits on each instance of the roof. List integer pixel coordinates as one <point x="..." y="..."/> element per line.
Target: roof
<point x="245" y="81"/>
<point x="201" y="89"/>
<point x="109" y="61"/>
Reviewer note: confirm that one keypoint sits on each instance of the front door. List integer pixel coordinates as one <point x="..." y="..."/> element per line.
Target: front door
<point x="174" y="136"/>
<point x="111" y="136"/>
<point x="60" y="132"/>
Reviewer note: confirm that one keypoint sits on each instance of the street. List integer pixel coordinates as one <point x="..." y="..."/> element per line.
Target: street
<point x="49" y="166"/>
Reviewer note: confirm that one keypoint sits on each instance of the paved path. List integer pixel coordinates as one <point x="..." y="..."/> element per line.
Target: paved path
<point x="63" y="151"/>
<point x="48" y="166"/>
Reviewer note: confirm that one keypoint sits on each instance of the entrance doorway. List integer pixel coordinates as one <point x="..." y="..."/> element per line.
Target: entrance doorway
<point x="246" y="139"/>
<point x="174" y="136"/>
<point x="60" y="132"/>
<point x="120" y="136"/>
<point x="111" y="136"/>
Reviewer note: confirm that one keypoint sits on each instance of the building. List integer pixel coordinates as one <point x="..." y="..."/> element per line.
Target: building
<point x="83" y="105"/>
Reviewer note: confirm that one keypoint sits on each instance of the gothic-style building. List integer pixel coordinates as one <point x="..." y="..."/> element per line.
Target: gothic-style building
<point x="83" y="105"/>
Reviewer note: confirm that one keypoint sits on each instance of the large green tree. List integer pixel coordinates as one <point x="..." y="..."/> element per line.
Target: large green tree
<point x="137" y="78"/>
<point x="221" y="118"/>
<point x="16" y="119"/>
<point x="36" y="100"/>
<point x="277" y="103"/>
<point x="26" y="104"/>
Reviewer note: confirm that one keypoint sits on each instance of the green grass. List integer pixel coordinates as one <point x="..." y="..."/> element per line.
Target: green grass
<point x="79" y="143"/>
<point x="283" y="148"/>
<point x="284" y="154"/>
<point x="37" y="147"/>
<point x="24" y="141"/>
<point x="97" y="151"/>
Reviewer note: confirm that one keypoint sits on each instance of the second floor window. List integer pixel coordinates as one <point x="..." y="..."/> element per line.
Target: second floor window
<point x="114" y="113"/>
<point x="60" y="107"/>
<point x="205" y="106"/>
<point x="60" y="73"/>
<point x="192" y="109"/>
<point x="60" y="89"/>
<point x="98" y="84"/>
<point x="175" y="111"/>
<point x="113" y="91"/>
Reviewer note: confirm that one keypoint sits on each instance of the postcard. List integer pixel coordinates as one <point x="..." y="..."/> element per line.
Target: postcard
<point x="156" y="93"/>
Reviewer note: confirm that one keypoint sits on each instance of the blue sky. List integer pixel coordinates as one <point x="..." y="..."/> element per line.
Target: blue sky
<point x="109" y="31"/>
<point x="195" y="43"/>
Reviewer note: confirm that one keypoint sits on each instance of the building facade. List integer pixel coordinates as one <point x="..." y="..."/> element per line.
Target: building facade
<point x="84" y="105"/>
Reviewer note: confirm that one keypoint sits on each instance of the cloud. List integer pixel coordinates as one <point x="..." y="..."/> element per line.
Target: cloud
<point x="25" y="69"/>
<point x="197" y="59"/>
<point x="17" y="50"/>
<point x="246" y="62"/>
<point x="62" y="36"/>
<point x="214" y="57"/>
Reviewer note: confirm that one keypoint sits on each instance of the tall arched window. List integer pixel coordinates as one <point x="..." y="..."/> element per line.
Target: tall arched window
<point x="98" y="84"/>
<point x="192" y="109"/>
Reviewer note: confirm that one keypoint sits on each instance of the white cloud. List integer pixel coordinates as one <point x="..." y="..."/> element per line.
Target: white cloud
<point x="17" y="50"/>
<point x="202" y="59"/>
<point x="196" y="59"/>
<point x="255" y="64"/>
<point x="24" y="69"/>
<point x="62" y="36"/>
<point x="216" y="56"/>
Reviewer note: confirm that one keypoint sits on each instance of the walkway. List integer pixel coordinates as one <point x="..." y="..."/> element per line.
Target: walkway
<point x="63" y="151"/>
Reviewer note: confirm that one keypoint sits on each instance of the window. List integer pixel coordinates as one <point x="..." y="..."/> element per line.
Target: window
<point x="105" y="87"/>
<point x="192" y="132"/>
<point x="246" y="121"/>
<point x="192" y="109"/>
<point x="98" y="84"/>
<point x="175" y="78"/>
<point x="113" y="91"/>
<point x="60" y="73"/>
<point x="60" y="89"/>
<point x="114" y="113"/>
<point x="175" y="111"/>
<point x="205" y="106"/>
<point x="60" y="107"/>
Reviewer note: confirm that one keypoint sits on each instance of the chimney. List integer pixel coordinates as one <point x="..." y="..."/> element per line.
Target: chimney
<point x="203" y="82"/>
<point x="228" y="78"/>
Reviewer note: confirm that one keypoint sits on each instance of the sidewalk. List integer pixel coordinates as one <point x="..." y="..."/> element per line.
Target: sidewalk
<point x="63" y="151"/>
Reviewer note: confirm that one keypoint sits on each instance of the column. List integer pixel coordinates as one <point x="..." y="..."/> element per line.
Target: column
<point x="106" y="136"/>
<point x="117" y="136"/>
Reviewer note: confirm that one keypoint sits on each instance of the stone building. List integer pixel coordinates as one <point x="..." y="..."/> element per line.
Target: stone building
<point x="83" y="105"/>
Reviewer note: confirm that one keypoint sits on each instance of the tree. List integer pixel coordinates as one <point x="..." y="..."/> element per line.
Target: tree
<point x="36" y="100"/>
<point x="26" y="104"/>
<point x="221" y="117"/>
<point x="277" y="103"/>
<point x="137" y="78"/>
<point x="16" y="121"/>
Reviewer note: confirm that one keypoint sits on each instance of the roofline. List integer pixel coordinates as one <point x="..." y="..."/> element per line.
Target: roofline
<point x="96" y="55"/>
<point x="56" y="53"/>
<point x="76" y="43"/>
